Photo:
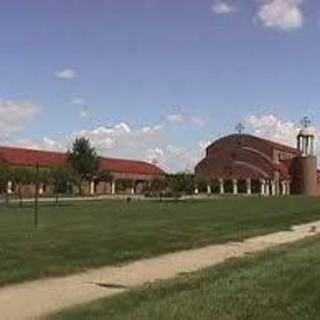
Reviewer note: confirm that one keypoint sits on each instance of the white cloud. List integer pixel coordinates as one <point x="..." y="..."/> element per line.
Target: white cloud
<point x="281" y="14"/>
<point x="174" y="158"/>
<point x="198" y="121"/>
<point x="148" y="143"/>
<point x="223" y="7"/>
<point x="176" y="118"/>
<point x="15" y="116"/>
<point x="185" y="119"/>
<point x="122" y="140"/>
<point x="66" y="74"/>
<point x="45" y="143"/>
<point x="78" y="101"/>
<point x="84" y="112"/>
<point x="271" y="127"/>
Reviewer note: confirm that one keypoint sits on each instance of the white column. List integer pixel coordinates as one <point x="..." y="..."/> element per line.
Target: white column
<point x="196" y="190"/>
<point x="91" y="188"/>
<point x="133" y="189"/>
<point x="277" y="187"/>
<point x="113" y="187"/>
<point x="249" y="186"/>
<point x="304" y="143"/>
<point x="235" y="186"/>
<point x="288" y="188"/>
<point x="273" y="188"/>
<point x="267" y="188"/>
<point x="284" y="188"/>
<point x="221" y="184"/>
<point x="40" y="189"/>
<point x="262" y="186"/>
<point x="312" y="146"/>
<point x="9" y="187"/>
<point x="209" y="190"/>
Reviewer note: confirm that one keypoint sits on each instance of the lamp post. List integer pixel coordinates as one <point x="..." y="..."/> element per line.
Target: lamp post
<point x="36" y="198"/>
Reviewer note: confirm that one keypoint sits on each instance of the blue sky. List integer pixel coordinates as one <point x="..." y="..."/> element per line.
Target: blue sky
<point x="156" y="79"/>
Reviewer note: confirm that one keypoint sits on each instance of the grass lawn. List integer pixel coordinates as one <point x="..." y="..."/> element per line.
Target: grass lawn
<point x="281" y="284"/>
<point x="79" y="235"/>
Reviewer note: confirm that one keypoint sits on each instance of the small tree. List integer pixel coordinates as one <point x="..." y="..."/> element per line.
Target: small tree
<point x="23" y="177"/>
<point x="157" y="186"/>
<point x="124" y="184"/>
<point x="44" y="176"/>
<point x="84" y="160"/>
<point x="5" y="175"/>
<point x="201" y="183"/>
<point x="181" y="183"/>
<point x="60" y="177"/>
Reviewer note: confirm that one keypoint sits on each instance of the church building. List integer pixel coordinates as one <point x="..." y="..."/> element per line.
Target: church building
<point x="246" y="164"/>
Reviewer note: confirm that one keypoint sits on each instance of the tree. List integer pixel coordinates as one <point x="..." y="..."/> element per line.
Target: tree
<point x="124" y="184"/>
<point x="22" y="177"/>
<point x="181" y="183"/>
<point x="156" y="187"/>
<point x="201" y="183"/>
<point x="60" y="178"/>
<point x="44" y="176"/>
<point x="84" y="160"/>
<point x="5" y="175"/>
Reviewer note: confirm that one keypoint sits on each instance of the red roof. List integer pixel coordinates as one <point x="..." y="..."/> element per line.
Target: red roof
<point x="279" y="146"/>
<point x="129" y="166"/>
<point x="30" y="158"/>
<point x="251" y="138"/>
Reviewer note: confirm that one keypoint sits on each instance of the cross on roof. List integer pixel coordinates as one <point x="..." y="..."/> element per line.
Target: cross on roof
<point x="240" y="128"/>
<point x="306" y="122"/>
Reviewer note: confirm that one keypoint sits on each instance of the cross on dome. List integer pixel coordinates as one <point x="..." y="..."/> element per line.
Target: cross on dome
<point x="306" y="122"/>
<point x="240" y="128"/>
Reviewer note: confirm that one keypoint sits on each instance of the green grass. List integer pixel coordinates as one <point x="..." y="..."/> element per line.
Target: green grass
<point x="281" y="284"/>
<point x="79" y="235"/>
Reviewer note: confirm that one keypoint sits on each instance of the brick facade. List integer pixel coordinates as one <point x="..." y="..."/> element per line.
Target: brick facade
<point x="252" y="160"/>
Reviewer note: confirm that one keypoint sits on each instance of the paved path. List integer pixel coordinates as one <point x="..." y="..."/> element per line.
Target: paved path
<point x="36" y="299"/>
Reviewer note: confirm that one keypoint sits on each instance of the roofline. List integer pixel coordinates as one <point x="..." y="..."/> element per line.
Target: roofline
<point x="270" y="142"/>
<point x="33" y="150"/>
<point x="126" y="159"/>
<point x="66" y="153"/>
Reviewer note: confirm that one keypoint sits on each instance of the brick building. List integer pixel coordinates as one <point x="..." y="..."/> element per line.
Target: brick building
<point x="135" y="174"/>
<point x="247" y="164"/>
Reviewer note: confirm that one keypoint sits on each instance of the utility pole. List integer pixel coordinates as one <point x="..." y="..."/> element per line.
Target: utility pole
<point x="36" y="198"/>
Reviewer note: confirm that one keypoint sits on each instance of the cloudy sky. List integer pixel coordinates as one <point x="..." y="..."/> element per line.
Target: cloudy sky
<point x="156" y="79"/>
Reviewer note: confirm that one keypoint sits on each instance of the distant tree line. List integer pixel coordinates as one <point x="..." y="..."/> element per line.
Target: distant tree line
<point x="179" y="184"/>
